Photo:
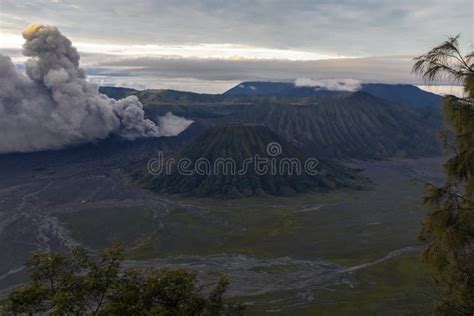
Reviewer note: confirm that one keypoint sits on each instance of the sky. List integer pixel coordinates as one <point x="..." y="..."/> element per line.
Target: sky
<point x="210" y="46"/>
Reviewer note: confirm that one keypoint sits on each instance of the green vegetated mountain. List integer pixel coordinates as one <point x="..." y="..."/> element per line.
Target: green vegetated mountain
<point x="269" y="88"/>
<point x="378" y="121"/>
<point x="351" y="125"/>
<point x="403" y="93"/>
<point x="400" y="93"/>
<point x="117" y="92"/>
<point x="168" y="96"/>
<point x="241" y="142"/>
<point x="341" y="125"/>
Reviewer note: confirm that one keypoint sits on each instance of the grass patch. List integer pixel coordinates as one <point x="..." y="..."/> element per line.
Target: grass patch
<point x="346" y="226"/>
<point x="100" y="227"/>
<point x="400" y="286"/>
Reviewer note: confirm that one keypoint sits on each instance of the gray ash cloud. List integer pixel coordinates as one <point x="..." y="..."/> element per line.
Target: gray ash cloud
<point x="53" y="105"/>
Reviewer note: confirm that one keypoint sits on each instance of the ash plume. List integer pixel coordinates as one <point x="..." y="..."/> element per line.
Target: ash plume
<point x="54" y="105"/>
<point x="171" y="125"/>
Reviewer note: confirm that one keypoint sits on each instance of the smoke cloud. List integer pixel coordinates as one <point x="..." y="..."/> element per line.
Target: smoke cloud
<point x="330" y="84"/>
<point x="54" y="106"/>
<point x="171" y="125"/>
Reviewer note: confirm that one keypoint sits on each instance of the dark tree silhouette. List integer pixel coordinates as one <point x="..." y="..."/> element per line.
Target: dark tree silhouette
<point x="76" y="284"/>
<point x="448" y="227"/>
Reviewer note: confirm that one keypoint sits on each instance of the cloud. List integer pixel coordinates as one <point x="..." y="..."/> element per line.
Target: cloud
<point x="389" y="69"/>
<point x="54" y="105"/>
<point x="349" y="28"/>
<point x="171" y="125"/>
<point x="330" y="84"/>
<point x="217" y="75"/>
<point x="303" y="30"/>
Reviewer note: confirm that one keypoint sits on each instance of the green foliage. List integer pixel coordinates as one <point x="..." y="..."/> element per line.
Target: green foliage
<point x="444" y="62"/>
<point x="448" y="228"/>
<point x="78" y="284"/>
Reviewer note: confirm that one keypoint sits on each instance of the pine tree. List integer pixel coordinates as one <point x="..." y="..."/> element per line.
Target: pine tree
<point x="448" y="228"/>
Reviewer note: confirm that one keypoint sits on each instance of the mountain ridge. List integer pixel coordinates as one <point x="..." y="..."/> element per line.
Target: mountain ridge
<point x="341" y="125"/>
<point x="401" y="93"/>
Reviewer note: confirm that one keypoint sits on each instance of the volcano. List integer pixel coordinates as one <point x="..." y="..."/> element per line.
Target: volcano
<point x="237" y="148"/>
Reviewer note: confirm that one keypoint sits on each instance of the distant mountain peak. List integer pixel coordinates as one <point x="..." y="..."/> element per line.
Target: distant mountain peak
<point x="399" y="93"/>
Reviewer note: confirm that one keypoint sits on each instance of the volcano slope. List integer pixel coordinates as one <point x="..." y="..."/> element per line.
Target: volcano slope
<point x="350" y="125"/>
<point x="224" y="161"/>
<point x="340" y="125"/>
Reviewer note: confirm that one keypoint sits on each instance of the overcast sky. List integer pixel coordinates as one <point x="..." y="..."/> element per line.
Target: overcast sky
<point x="210" y="45"/>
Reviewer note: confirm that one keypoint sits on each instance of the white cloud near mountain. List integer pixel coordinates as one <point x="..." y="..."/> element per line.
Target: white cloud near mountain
<point x="206" y="46"/>
<point x="217" y="75"/>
